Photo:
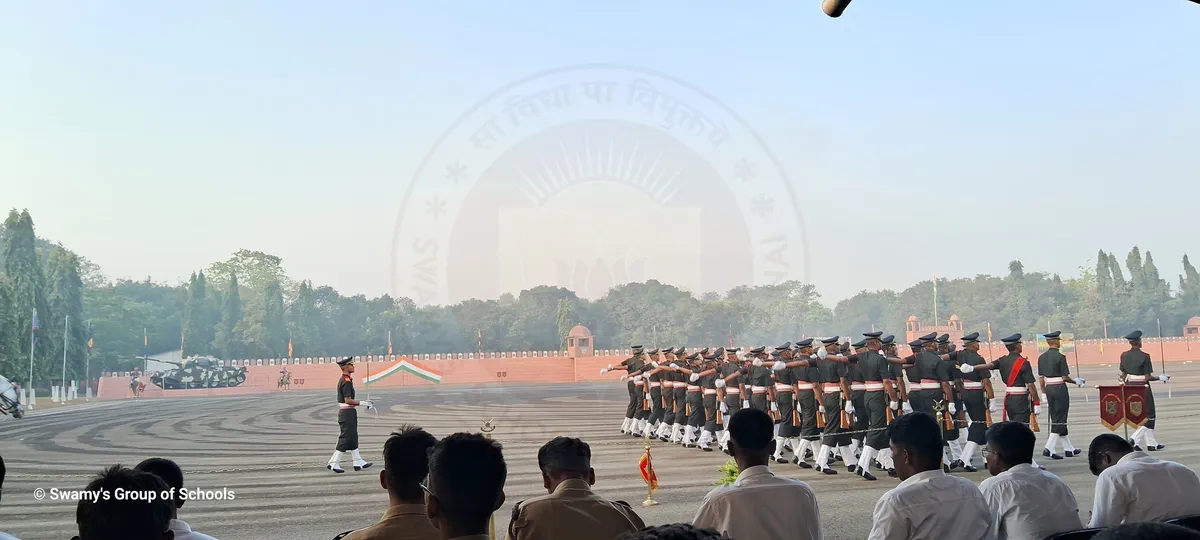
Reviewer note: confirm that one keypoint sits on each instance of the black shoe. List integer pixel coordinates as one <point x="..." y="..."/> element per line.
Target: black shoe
<point x="877" y="464"/>
<point x="706" y="448"/>
<point x="852" y="469"/>
<point x="892" y="473"/>
<point x="1045" y="452"/>
<point x="837" y="458"/>
<point x="1151" y="448"/>
<point x="805" y="465"/>
<point x="828" y="470"/>
<point x="363" y="466"/>
<point x="969" y="468"/>
<point x="1161" y="447"/>
<point x="956" y="464"/>
<point x="946" y="469"/>
<point x="1137" y="448"/>
<point x="1076" y="452"/>
<point x="808" y="453"/>
<point x="1055" y="456"/>
<point x="781" y="460"/>
<point x="1071" y="453"/>
<point x="1041" y="467"/>
<point x="866" y="475"/>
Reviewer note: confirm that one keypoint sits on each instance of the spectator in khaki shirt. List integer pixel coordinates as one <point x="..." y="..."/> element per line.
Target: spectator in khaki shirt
<point x="405" y="464"/>
<point x="570" y="510"/>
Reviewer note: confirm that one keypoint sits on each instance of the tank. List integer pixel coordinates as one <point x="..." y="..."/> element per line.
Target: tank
<point x="199" y="372"/>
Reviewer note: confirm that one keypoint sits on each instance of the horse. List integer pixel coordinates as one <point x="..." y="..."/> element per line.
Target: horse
<point x="285" y="380"/>
<point x="137" y="386"/>
<point x="10" y="402"/>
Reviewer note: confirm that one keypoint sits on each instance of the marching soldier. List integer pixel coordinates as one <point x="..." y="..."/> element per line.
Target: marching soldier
<point x="785" y="401"/>
<point x="654" y="381"/>
<point x="977" y="396"/>
<point x="731" y="389"/>
<point x="836" y="395"/>
<point x="858" y="391"/>
<point x="1136" y="369"/>
<point x="666" y="393"/>
<point x="1021" y="400"/>
<point x="1053" y="374"/>
<point x="806" y="377"/>
<point x="952" y="448"/>
<point x="634" y="367"/>
<point x="694" y="402"/>
<point x="681" y="393"/>
<point x="347" y="419"/>
<point x="762" y="390"/>
<point x="916" y="390"/>
<point x="713" y="407"/>
<point x="876" y="374"/>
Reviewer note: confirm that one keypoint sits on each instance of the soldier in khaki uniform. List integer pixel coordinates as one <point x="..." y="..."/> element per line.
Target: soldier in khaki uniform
<point x="570" y="510"/>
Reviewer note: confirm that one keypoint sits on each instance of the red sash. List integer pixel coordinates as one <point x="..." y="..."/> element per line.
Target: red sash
<point x="1012" y="378"/>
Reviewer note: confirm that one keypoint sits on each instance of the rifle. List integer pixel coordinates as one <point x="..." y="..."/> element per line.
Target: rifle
<point x="1033" y="424"/>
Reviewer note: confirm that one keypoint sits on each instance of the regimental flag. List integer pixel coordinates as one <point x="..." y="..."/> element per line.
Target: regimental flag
<point x="289" y="346"/>
<point x="1137" y="413"/>
<point x="1123" y="405"/>
<point x="389" y="342"/>
<point x="989" y="328"/>
<point x="646" y="466"/>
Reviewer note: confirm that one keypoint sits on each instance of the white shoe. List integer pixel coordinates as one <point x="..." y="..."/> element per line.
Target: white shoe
<point x="335" y="463"/>
<point x="359" y="462"/>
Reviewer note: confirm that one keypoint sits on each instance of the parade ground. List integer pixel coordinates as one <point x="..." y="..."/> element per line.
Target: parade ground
<point x="261" y="458"/>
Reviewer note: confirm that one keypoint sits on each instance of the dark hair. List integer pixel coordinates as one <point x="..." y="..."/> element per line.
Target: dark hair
<point x="751" y="429"/>
<point x="1014" y="442"/>
<point x="113" y="518"/>
<point x="565" y="454"/>
<point x="2" y="471"/>
<point x="1146" y="531"/>
<point x="168" y="471"/>
<point x="1108" y="442"/>
<point x="406" y="461"/>
<point x="466" y="474"/>
<point x="920" y="434"/>
<point x="1012" y="347"/>
<point x="676" y="531"/>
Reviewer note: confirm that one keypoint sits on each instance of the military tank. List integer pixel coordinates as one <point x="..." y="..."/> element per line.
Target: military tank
<point x="199" y="372"/>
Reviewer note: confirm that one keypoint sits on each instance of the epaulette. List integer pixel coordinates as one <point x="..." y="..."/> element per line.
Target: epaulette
<point x="516" y="511"/>
<point x="343" y="535"/>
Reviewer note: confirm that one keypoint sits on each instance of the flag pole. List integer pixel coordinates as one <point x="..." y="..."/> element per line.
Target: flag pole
<point x="935" y="316"/>
<point x="991" y="354"/>
<point x="1163" y="353"/>
<point x="62" y="391"/>
<point x="32" y="345"/>
<point x="87" y="365"/>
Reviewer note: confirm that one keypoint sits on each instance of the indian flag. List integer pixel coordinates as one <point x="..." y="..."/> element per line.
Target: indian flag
<point x="409" y="366"/>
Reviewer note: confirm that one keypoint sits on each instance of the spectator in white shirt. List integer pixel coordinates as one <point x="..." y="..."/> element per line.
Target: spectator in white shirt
<point x="928" y="504"/>
<point x="759" y="505"/>
<point x="1132" y="486"/>
<point x="1029" y="503"/>
<point x="170" y="473"/>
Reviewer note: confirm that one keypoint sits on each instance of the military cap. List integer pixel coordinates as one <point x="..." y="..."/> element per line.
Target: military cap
<point x="873" y="335"/>
<point x="758" y="350"/>
<point x="652" y="351"/>
<point x="944" y="338"/>
<point x="636" y="347"/>
<point x="888" y="339"/>
<point x="346" y="360"/>
<point x="703" y="351"/>
<point x="784" y="347"/>
<point x="733" y="349"/>
<point x="694" y="355"/>
<point x="831" y="340"/>
<point x="1054" y="335"/>
<point x="971" y="338"/>
<point x="929" y="337"/>
<point x="679" y="351"/>
<point x="719" y="352"/>
<point x="777" y="353"/>
<point x="1015" y="338"/>
<point x="806" y="342"/>
<point x="916" y="343"/>
<point x="859" y="344"/>
<point x="1135" y="335"/>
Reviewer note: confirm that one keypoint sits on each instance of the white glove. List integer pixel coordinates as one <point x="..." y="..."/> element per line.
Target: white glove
<point x="907" y="408"/>
<point x="654" y="365"/>
<point x="1037" y="409"/>
<point x="779" y="366"/>
<point x="821" y="409"/>
<point x="603" y="370"/>
<point x="822" y="353"/>
<point x="895" y="405"/>
<point x="724" y="409"/>
<point x="745" y="404"/>
<point x="1164" y="377"/>
<point x="367" y="403"/>
<point x="1080" y="381"/>
<point x="774" y="407"/>
<point x="757" y="362"/>
<point x="953" y="408"/>
<point x="674" y="366"/>
<point x="720" y="383"/>
<point x="997" y="404"/>
<point x="813" y="356"/>
<point x="850" y="407"/>
<point x="695" y="377"/>
<point x="609" y="368"/>
<point x="966" y="368"/>
<point x="624" y="377"/>
<point x="741" y="356"/>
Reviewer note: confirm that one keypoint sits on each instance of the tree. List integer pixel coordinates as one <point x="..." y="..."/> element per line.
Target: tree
<point x="305" y="333"/>
<point x="197" y="329"/>
<point x="66" y="303"/>
<point x="228" y="340"/>
<point x="566" y="318"/>
<point x="275" y="328"/>
<point x="26" y="291"/>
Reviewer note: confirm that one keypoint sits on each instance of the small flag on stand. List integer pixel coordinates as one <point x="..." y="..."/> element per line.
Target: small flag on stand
<point x="646" y="466"/>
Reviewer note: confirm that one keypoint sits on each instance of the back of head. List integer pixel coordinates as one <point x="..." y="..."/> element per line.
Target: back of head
<point x="1013" y="441"/>
<point x="1105" y="451"/>
<point x="1147" y="531"/>
<point x="466" y="476"/>
<point x="751" y="430"/>
<point x="677" y="531"/>
<point x="920" y="435"/>
<point x="110" y="517"/>
<point x="168" y="471"/>
<point x="406" y="461"/>
<point x="565" y="455"/>
<point x="3" y="471"/>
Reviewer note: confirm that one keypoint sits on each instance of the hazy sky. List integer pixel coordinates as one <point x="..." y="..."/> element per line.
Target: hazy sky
<point x="353" y="140"/>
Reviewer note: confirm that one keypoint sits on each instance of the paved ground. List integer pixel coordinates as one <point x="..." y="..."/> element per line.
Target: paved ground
<point x="270" y="451"/>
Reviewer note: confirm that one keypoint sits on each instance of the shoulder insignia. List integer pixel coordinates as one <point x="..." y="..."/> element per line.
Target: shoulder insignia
<point x="347" y="378"/>
<point x="516" y="511"/>
<point x="343" y="535"/>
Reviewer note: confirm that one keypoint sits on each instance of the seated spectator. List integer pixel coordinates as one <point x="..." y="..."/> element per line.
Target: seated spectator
<point x="1029" y="503"/>
<point x="1147" y="530"/>
<point x="1132" y="486"/>
<point x="168" y="471"/>
<point x="570" y="510"/>
<point x="677" y="531"/>
<point x="759" y="505"/>
<point x="405" y="465"/>
<point x="112" y="518"/>
<point x="465" y="485"/>
<point x="928" y="503"/>
<point x="4" y="536"/>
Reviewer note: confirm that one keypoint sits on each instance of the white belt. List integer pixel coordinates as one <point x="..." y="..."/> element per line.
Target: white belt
<point x="654" y="385"/>
<point x="858" y="386"/>
<point x="832" y="388"/>
<point x="805" y="386"/>
<point x="971" y="385"/>
<point x="344" y="406"/>
<point x="1054" y="380"/>
<point x="1136" y="378"/>
<point x="758" y="389"/>
<point x="783" y="388"/>
<point x="710" y="391"/>
<point x="1017" y="390"/>
<point x="693" y="388"/>
<point x="733" y="390"/>
<point x="873" y="387"/>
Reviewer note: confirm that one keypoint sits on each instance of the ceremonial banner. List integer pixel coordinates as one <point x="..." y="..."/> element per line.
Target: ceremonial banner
<point x="1136" y="411"/>
<point x="1112" y="407"/>
<point x="646" y="466"/>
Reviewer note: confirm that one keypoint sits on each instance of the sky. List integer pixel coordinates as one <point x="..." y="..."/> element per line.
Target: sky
<point x="903" y="140"/>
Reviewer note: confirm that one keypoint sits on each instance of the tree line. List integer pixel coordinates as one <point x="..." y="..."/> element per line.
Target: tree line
<point x="247" y="306"/>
